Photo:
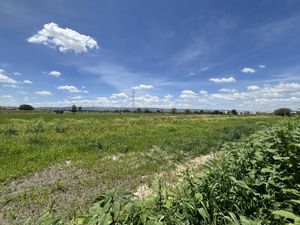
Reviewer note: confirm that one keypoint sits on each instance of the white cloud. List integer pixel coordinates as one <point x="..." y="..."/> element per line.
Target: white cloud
<point x="6" y="79"/>
<point x="223" y="97"/>
<point x="17" y="74"/>
<point x="119" y="95"/>
<point x="7" y="97"/>
<point x="44" y="93"/>
<point x="10" y="85"/>
<point x="248" y="70"/>
<point x="27" y="82"/>
<point x="143" y="87"/>
<point x="64" y="38"/>
<point x="54" y="73"/>
<point x="147" y="100"/>
<point x="253" y="88"/>
<point x="223" y="80"/>
<point x="226" y="90"/>
<point x="70" y="88"/>
<point x="266" y="97"/>
<point x="203" y="92"/>
<point x="262" y="66"/>
<point x="168" y="96"/>
<point x="75" y="97"/>
<point x="187" y="94"/>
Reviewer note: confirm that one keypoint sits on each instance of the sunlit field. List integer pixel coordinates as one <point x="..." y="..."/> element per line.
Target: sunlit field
<point x="75" y="157"/>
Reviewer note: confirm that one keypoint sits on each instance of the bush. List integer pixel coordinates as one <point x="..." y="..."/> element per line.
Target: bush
<point x="74" y="108"/>
<point x="283" y="112"/>
<point x="234" y="112"/>
<point x="25" y="107"/>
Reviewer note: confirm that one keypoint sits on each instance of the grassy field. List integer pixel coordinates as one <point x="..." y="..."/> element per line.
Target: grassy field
<point x="75" y="157"/>
<point x="253" y="182"/>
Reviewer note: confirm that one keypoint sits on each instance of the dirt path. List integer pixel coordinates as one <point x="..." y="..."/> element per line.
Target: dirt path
<point x="144" y="190"/>
<point x="30" y="195"/>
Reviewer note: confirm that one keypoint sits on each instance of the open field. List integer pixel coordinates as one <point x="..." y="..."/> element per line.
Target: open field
<point x="75" y="157"/>
<point x="252" y="182"/>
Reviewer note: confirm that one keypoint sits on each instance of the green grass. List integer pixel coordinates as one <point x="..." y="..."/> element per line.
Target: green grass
<point x="104" y="149"/>
<point x="30" y="142"/>
<point x="253" y="182"/>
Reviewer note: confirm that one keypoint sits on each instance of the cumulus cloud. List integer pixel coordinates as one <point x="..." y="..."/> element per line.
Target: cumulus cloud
<point x="75" y="97"/>
<point x="226" y="90"/>
<point x="253" y="88"/>
<point x="70" y="88"/>
<point x="248" y="70"/>
<point x="143" y="87"/>
<point x="187" y="94"/>
<point x="44" y="93"/>
<point x="17" y="74"/>
<point x="203" y="92"/>
<point x="54" y="73"/>
<point x="262" y="66"/>
<point x="119" y="95"/>
<point x="27" y="82"/>
<point x="10" y="85"/>
<point x="64" y="38"/>
<point x="223" y="80"/>
<point x="6" y="79"/>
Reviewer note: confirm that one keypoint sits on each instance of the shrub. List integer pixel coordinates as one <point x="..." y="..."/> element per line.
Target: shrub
<point x="234" y="112"/>
<point x="25" y="107"/>
<point x="173" y="110"/>
<point x="283" y="112"/>
<point x="74" y="108"/>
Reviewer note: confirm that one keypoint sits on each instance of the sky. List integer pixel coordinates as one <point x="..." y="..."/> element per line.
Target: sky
<point x="209" y="54"/>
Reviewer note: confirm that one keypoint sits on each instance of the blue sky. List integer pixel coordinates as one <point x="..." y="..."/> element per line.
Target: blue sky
<point x="186" y="54"/>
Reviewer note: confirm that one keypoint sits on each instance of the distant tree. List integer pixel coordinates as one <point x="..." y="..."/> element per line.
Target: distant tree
<point x="173" y="110"/>
<point x="201" y="111"/>
<point x="146" y="111"/>
<point x="79" y="109"/>
<point x="158" y="111"/>
<point x="187" y="111"/>
<point x="234" y="112"/>
<point x="25" y="107"/>
<point x="138" y="110"/>
<point x="283" y="112"/>
<point x="74" y="108"/>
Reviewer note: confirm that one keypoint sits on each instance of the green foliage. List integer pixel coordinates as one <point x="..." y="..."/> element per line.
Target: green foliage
<point x="25" y="107"/>
<point x="253" y="182"/>
<point x="74" y="108"/>
<point x="283" y="112"/>
<point x="234" y="112"/>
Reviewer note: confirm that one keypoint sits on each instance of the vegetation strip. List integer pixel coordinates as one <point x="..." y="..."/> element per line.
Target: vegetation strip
<point x="253" y="182"/>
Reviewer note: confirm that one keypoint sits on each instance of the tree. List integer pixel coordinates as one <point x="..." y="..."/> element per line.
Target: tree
<point x="283" y="112"/>
<point x="173" y="110"/>
<point x="74" y="108"/>
<point x="79" y="109"/>
<point x="234" y="112"/>
<point x="146" y="111"/>
<point x="25" y="107"/>
<point x="187" y="111"/>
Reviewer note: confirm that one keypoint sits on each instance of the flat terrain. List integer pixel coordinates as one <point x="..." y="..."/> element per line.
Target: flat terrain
<point x="74" y="157"/>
